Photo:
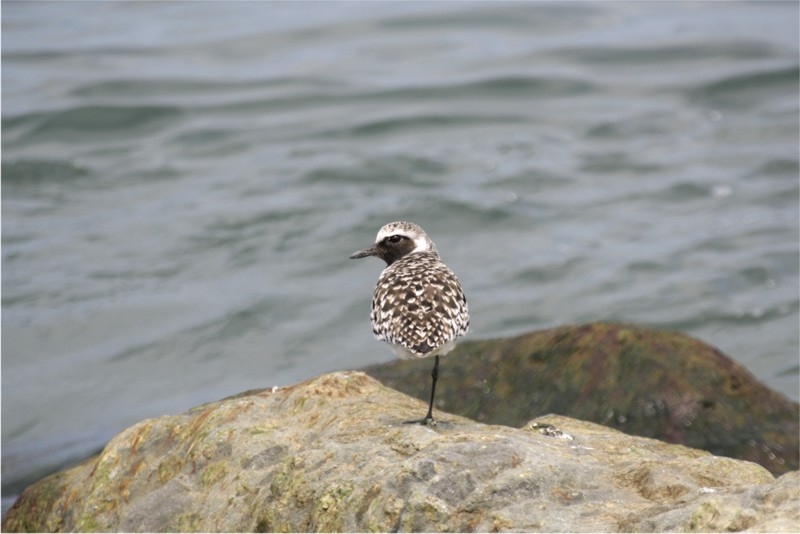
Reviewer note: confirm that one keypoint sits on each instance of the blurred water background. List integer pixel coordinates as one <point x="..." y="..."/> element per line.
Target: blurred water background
<point x="182" y="184"/>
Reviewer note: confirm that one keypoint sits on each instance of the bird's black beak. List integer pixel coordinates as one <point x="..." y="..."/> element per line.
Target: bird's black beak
<point x="372" y="251"/>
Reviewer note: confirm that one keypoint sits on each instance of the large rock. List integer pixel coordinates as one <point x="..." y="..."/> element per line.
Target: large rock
<point x="333" y="454"/>
<point x="663" y="385"/>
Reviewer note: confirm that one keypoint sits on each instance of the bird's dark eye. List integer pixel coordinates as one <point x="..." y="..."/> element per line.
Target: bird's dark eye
<point x="395" y="238"/>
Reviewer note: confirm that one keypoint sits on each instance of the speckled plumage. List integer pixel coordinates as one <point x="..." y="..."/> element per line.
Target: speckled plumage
<point x="418" y="307"/>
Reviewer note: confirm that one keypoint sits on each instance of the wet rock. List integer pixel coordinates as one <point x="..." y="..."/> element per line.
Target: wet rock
<point x="333" y="454"/>
<point x="663" y="385"/>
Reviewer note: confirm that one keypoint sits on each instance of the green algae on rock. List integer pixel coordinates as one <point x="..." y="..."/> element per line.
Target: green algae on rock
<point x="333" y="454"/>
<point x="663" y="385"/>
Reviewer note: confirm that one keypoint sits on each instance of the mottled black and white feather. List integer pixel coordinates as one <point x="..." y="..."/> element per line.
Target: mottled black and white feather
<point x="419" y="307"/>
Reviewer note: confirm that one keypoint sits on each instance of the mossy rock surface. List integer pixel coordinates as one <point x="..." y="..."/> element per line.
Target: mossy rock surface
<point x="333" y="454"/>
<point x="646" y="382"/>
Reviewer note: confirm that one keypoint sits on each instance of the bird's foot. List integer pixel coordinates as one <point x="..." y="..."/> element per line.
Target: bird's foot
<point x="427" y="421"/>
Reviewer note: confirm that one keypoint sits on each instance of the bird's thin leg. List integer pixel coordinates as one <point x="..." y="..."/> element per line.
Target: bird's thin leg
<point x="434" y="376"/>
<point x="429" y="420"/>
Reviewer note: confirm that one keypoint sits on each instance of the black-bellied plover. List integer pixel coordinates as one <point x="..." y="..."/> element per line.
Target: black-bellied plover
<point x="418" y="307"/>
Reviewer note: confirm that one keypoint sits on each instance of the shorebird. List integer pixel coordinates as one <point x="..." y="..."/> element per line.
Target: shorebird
<point x="418" y="307"/>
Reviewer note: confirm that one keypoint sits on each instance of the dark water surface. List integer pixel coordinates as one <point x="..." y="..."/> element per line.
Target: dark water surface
<point x="182" y="184"/>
